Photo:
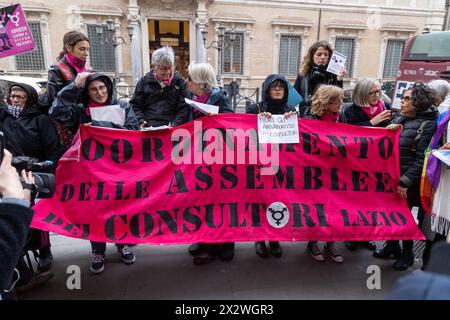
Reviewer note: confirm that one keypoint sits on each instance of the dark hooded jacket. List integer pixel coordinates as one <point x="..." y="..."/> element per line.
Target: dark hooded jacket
<point x="33" y="132"/>
<point x="268" y="104"/>
<point x="60" y="75"/>
<point x="356" y="116"/>
<point x="158" y="106"/>
<point x="218" y="98"/>
<point x="67" y="111"/>
<point x="412" y="149"/>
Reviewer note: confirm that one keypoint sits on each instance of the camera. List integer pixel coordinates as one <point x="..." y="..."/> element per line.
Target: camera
<point x="44" y="181"/>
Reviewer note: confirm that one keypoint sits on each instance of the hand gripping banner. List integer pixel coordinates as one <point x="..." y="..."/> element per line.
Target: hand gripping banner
<point x="210" y="181"/>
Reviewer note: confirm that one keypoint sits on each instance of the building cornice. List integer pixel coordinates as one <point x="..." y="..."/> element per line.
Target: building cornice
<point x="100" y="11"/>
<point x="292" y="21"/>
<point x="35" y="7"/>
<point x="347" y="24"/>
<point x="233" y="18"/>
<point x="405" y="27"/>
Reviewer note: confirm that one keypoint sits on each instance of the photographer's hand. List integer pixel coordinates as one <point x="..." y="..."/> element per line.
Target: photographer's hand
<point x="10" y="185"/>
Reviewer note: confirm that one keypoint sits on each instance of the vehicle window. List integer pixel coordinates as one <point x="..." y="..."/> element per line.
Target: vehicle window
<point x="432" y="46"/>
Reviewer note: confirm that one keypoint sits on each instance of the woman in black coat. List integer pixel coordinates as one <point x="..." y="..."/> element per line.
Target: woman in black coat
<point x="418" y="119"/>
<point x="274" y="101"/>
<point x="313" y="72"/>
<point x="34" y="135"/>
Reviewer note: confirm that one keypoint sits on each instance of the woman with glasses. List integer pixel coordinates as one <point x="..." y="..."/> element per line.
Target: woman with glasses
<point x="202" y="87"/>
<point x="367" y="109"/>
<point x="274" y="101"/>
<point x="418" y="121"/>
<point x="159" y="96"/>
<point x="95" y="91"/>
<point x="326" y="105"/>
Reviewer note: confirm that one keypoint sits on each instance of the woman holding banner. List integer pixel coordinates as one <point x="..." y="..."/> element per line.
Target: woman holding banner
<point x="274" y="101"/>
<point x="202" y="87"/>
<point x="96" y="91"/>
<point x="325" y="105"/>
<point x="418" y="119"/>
<point x="314" y="72"/>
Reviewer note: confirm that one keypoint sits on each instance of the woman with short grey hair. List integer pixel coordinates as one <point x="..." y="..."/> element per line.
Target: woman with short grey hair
<point x="159" y="96"/>
<point x="202" y="87"/>
<point x="368" y="109"/>
<point x="441" y="89"/>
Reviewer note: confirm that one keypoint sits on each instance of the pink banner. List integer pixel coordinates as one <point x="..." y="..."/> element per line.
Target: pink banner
<point x="210" y="181"/>
<point x="15" y="34"/>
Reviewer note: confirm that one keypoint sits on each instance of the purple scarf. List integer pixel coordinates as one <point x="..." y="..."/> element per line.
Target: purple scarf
<point x="433" y="171"/>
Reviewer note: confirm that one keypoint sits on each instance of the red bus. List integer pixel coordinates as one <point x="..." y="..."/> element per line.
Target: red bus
<point x="426" y="58"/>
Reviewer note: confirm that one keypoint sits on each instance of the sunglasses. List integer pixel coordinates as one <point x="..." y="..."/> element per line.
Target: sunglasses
<point x="376" y="92"/>
<point x="280" y="85"/>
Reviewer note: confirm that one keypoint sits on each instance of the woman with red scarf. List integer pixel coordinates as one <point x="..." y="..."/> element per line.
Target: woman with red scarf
<point x="370" y="111"/>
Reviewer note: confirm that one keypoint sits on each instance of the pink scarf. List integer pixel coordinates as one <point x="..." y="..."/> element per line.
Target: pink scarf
<point x="203" y="99"/>
<point x="92" y="104"/>
<point x="166" y="82"/>
<point x="330" y="117"/>
<point x="78" y="64"/>
<point x="373" y="110"/>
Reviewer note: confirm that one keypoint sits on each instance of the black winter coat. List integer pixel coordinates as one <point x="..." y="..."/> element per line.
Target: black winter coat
<point x="412" y="150"/>
<point x="307" y="85"/>
<point x="356" y="116"/>
<point x="15" y="222"/>
<point x="308" y="115"/>
<point x="70" y="113"/>
<point x="33" y="131"/>
<point x="158" y="106"/>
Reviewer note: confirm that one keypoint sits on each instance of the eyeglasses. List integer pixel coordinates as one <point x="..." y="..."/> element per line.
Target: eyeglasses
<point x="406" y="98"/>
<point x="13" y="96"/>
<point x="373" y="93"/>
<point x="279" y="85"/>
<point x="100" y="89"/>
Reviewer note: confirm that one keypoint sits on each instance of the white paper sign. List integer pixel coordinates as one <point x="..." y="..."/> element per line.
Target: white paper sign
<point x="114" y="114"/>
<point x="443" y="155"/>
<point x="278" y="129"/>
<point x="202" y="107"/>
<point x="337" y="62"/>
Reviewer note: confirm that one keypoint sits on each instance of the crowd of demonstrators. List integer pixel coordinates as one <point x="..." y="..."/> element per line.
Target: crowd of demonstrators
<point x="202" y="87"/>
<point x="313" y="72"/>
<point x="418" y="124"/>
<point x="71" y="61"/>
<point x="96" y="90"/>
<point x="33" y="135"/>
<point x="274" y="102"/>
<point x="159" y="97"/>
<point x="325" y="105"/>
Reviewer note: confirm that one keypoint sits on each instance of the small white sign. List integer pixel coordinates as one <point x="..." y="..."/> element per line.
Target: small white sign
<point x="113" y="113"/>
<point x="202" y="107"/>
<point x="337" y="62"/>
<point x="278" y="129"/>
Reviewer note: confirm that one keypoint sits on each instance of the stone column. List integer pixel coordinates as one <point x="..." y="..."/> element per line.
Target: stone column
<point x="134" y="19"/>
<point x="201" y="24"/>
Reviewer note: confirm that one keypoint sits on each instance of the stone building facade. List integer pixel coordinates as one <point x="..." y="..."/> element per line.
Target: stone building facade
<point x="260" y="36"/>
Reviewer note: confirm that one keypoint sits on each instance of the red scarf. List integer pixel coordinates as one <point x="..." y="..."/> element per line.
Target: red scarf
<point x="330" y="117"/>
<point x="166" y="82"/>
<point x="373" y="110"/>
<point x="202" y="99"/>
<point x="93" y="104"/>
<point x="78" y="64"/>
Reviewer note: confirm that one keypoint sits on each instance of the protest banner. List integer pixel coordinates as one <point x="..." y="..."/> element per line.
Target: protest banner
<point x="15" y="34"/>
<point x="204" y="182"/>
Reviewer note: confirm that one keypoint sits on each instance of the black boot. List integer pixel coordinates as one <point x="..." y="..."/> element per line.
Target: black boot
<point x="45" y="260"/>
<point x="351" y="245"/>
<point x="261" y="249"/>
<point x="391" y="250"/>
<point x="196" y="249"/>
<point x="227" y="252"/>
<point x="275" y="249"/>
<point x="406" y="260"/>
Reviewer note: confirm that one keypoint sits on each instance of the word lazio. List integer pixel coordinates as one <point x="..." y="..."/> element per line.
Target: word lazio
<point x="212" y="181"/>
